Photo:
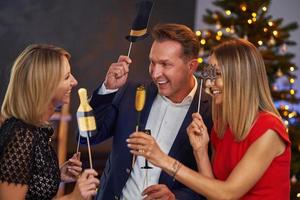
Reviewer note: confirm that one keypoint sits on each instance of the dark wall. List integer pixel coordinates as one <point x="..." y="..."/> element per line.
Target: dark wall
<point x="93" y="31"/>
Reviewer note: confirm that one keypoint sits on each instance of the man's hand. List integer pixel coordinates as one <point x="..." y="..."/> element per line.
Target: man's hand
<point x="117" y="73"/>
<point x="145" y="145"/>
<point x="158" y="192"/>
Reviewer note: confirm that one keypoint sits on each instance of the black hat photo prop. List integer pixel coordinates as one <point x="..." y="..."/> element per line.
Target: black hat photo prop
<point x="139" y="27"/>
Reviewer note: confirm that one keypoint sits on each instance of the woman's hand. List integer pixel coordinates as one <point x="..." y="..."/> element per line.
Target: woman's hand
<point x="71" y="169"/>
<point x="142" y="144"/>
<point x="86" y="185"/>
<point x="197" y="133"/>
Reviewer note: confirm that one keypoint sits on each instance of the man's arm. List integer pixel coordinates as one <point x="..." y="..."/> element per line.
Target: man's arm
<point x="105" y="99"/>
<point x="161" y="191"/>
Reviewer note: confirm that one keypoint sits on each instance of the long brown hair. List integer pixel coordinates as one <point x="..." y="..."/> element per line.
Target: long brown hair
<point x="246" y="90"/>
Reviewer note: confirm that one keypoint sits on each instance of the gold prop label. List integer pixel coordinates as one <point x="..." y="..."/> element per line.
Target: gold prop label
<point x="86" y="123"/>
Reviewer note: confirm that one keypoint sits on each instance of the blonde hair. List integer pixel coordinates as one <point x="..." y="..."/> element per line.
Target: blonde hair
<point x="34" y="77"/>
<point x="246" y="90"/>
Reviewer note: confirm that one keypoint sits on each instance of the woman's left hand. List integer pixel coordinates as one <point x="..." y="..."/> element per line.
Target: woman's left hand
<point x="71" y="169"/>
<point x="142" y="144"/>
<point x="86" y="185"/>
<point x="198" y="134"/>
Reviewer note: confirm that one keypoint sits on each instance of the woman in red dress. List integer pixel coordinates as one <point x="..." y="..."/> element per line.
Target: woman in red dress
<point x="250" y="145"/>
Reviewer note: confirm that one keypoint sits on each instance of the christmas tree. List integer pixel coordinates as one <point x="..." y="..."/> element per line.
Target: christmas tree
<point x="249" y="19"/>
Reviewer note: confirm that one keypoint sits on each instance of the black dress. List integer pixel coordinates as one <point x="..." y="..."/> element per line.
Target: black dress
<point x="26" y="157"/>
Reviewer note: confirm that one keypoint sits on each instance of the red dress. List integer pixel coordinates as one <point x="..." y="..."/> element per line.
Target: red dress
<point x="275" y="183"/>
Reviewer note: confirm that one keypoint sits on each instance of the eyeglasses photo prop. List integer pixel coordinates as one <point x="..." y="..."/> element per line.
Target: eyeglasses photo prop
<point x="208" y="74"/>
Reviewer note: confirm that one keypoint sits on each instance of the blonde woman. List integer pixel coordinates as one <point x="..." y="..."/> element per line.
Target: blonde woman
<point x="40" y="80"/>
<point x="251" y="148"/>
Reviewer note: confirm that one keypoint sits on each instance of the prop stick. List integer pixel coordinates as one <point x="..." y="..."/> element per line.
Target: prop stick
<point x="86" y="121"/>
<point x="200" y="94"/>
<point x="140" y="98"/>
<point x="78" y="143"/>
<point x="139" y="27"/>
<point x="208" y="75"/>
<point x="129" y="49"/>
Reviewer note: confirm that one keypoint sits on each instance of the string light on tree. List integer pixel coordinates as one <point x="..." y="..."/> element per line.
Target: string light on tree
<point x="270" y="23"/>
<point x="215" y="16"/>
<point x="218" y="26"/>
<point x="292" y="114"/>
<point x="200" y="60"/>
<point x="275" y="33"/>
<point x="286" y="122"/>
<point x="272" y="41"/>
<point x="198" y="33"/>
<point x="202" y="41"/>
<point x="228" y="12"/>
<point x="292" y="91"/>
<point x="219" y="33"/>
<point x="264" y="9"/>
<point x="292" y="69"/>
<point x="287" y="107"/>
<point x="243" y="7"/>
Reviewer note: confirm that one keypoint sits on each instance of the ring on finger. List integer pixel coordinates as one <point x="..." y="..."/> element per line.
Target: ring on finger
<point x="141" y="151"/>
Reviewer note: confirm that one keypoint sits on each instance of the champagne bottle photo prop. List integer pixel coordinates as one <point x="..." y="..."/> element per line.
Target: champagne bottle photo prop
<point x="85" y="116"/>
<point x="86" y="121"/>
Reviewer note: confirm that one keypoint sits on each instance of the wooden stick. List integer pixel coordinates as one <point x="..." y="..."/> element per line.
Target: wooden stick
<point x="78" y="142"/>
<point x="134" y="157"/>
<point x="200" y="94"/>
<point x="129" y="50"/>
<point x="89" y="150"/>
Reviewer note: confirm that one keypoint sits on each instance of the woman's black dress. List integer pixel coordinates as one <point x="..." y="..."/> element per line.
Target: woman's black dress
<point x="27" y="158"/>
